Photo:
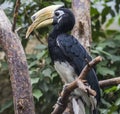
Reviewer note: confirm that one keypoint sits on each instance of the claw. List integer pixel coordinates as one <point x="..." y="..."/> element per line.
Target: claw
<point x="64" y="86"/>
<point x="59" y="101"/>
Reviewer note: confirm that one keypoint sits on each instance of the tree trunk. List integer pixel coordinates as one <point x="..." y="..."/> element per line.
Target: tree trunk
<point x="18" y="68"/>
<point x="82" y="28"/>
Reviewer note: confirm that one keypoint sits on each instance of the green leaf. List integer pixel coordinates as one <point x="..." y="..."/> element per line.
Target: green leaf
<point x="48" y="60"/>
<point x="105" y="12"/>
<point x="54" y="74"/>
<point x="37" y="94"/>
<point x="40" y="47"/>
<point x="115" y="58"/>
<point x="4" y="65"/>
<point x="112" y="12"/>
<point x="113" y="110"/>
<point x="93" y="11"/>
<point x="110" y="21"/>
<point x="100" y="49"/>
<point x="47" y="72"/>
<point x="117" y="102"/>
<point x="119" y="20"/>
<point x="105" y="102"/>
<point x="105" y="71"/>
<point x="69" y="1"/>
<point x="111" y="32"/>
<point x="41" y="54"/>
<point x="33" y="64"/>
<point x="6" y="105"/>
<point x="117" y="37"/>
<point x="34" y="80"/>
<point x="103" y="111"/>
<point x="94" y="51"/>
<point x="112" y="89"/>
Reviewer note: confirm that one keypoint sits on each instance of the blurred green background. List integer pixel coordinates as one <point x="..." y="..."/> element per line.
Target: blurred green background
<point x="105" y="17"/>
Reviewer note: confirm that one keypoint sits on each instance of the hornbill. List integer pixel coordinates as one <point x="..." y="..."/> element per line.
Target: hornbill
<point x="67" y="54"/>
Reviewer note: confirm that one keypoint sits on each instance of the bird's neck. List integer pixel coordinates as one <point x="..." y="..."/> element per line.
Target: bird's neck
<point x="55" y="32"/>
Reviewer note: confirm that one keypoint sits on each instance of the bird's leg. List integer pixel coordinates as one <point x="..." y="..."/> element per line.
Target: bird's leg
<point x="90" y="91"/>
<point x="81" y="85"/>
<point x="85" y="87"/>
<point x="65" y="86"/>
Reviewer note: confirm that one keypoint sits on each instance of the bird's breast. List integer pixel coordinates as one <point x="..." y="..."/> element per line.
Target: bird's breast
<point x="66" y="71"/>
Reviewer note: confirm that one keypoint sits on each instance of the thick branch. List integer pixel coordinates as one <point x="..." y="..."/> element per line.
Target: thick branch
<point x="63" y="99"/>
<point x="109" y="82"/>
<point x="19" y="75"/>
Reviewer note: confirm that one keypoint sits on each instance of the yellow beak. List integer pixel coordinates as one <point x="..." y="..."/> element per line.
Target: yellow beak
<point x="42" y="18"/>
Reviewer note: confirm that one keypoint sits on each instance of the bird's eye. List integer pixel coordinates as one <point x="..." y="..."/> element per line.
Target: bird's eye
<point x="57" y="13"/>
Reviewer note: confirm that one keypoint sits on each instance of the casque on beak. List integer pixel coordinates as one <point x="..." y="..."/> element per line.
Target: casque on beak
<point x="42" y="18"/>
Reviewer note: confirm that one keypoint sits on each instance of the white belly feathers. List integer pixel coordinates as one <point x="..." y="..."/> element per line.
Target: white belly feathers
<point x="65" y="71"/>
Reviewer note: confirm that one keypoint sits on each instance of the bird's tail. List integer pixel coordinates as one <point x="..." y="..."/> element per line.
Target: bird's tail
<point x="79" y="107"/>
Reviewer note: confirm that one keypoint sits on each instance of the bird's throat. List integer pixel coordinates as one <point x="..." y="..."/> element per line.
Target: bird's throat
<point x="55" y="32"/>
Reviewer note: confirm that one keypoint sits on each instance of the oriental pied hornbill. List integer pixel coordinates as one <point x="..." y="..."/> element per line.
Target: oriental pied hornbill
<point x="67" y="54"/>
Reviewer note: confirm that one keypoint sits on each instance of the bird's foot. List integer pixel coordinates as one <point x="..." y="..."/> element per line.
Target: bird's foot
<point x="86" y="88"/>
<point x="59" y="101"/>
<point x="90" y="91"/>
<point x="65" y="86"/>
<point x="81" y="85"/>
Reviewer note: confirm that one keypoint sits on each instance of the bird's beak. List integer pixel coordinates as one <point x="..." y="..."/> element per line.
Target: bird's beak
<point x="42" y="18"/>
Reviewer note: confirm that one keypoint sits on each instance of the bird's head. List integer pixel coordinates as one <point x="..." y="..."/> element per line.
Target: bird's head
<point x="62" y="19"/>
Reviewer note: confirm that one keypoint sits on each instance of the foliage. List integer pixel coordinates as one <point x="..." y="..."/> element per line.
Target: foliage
<point x="43" y="79"/>
<point x="106" y="39"/>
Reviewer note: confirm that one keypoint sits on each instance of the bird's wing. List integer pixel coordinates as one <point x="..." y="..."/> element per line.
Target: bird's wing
<point x="76" y="55"/>
<point x="73" y="50"/>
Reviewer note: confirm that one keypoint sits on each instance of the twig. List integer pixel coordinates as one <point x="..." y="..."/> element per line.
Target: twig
<point x="109" y="82"/>
<point x="36" y="35"/>
<point x="63" y="99"/>
<point x="88" y="67"/>
<point x="17" y="5"/>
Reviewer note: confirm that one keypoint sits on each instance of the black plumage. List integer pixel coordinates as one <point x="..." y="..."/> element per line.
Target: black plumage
<point x="65" y="48"/>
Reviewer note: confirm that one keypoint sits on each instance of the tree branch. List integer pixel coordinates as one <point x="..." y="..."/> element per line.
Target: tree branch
<point x="17" y="5"/>
<point x="18" y="68"/>
<point x="109" y="82"/>
<point x="63" y="99"/>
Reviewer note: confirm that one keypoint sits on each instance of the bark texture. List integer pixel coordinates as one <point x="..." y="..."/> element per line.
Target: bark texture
<point x="19" y="76"/>
<point x="82" y="28"/>
<point x="109" y="82"/>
